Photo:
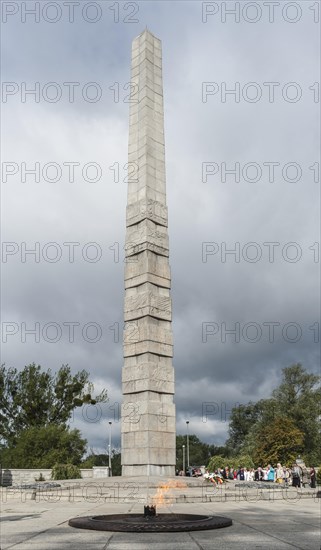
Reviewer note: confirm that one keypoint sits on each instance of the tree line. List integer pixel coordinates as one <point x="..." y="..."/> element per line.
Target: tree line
<point x="36" y="405"/>
<point x="285" y="425"/>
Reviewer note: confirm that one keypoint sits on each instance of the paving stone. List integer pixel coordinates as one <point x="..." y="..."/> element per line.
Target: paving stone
<point x="271" y="525"/>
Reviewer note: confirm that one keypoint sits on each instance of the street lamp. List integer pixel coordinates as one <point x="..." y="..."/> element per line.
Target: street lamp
<point x="187" y="444"/>
<point x="183" y="459"/>
<point x="109" y="450"/>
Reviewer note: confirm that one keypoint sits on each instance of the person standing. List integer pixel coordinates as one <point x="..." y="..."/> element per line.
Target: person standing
<point x="270" y="475"/>
<point x="287" y="476"/>
<point x="259" y="474"/>
<point x="312" y="478"/>
<point x="296" y="475"/>
<point x="279" y="473"/>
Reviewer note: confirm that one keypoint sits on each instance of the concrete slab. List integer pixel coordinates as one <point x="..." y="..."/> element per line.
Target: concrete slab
<point x="279" y="525"/>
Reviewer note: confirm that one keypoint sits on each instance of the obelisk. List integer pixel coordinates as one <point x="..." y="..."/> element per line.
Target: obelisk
<point x="148" y="411"/>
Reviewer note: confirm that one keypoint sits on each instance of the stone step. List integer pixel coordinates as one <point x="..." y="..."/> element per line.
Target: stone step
<point x="142" y="490"/>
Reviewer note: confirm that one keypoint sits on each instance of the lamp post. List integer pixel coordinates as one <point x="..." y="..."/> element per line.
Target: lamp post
<point x="183" y="459"/>
<point x="187" y="444"/>
<point x="109" y="450"/>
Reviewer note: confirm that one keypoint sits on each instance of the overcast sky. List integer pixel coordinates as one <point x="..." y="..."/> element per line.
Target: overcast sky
<point x="268" y="210"/>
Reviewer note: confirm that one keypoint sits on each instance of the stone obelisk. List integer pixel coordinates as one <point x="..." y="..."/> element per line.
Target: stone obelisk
<point x="148" y="411"/>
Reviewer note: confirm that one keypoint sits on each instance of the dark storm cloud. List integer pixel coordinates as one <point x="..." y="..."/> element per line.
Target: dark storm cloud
<point x="223" y="214"/>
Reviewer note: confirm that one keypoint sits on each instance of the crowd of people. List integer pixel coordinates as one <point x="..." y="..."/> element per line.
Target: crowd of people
<point x="295" y="476"/>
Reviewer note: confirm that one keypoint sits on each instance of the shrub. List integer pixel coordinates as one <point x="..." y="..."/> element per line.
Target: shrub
<point x="318" y="476"/>
<point x="65" y="471"/>
<point x="218" y="461"/>
<point x="245" y="461"/>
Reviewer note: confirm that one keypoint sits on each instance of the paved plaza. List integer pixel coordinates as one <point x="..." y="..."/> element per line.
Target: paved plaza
<point x="276" y="524"/>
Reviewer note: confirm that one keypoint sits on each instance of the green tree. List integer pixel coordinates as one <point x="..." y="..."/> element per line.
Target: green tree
<point x="299" y="398"/>
<point x="243" y="461"/>
<point x="279" y="441"/>
<point x="199" y="452"/>
<point x="242" y="419"/>
<point x="43" y="446"/>
<point x="34" y="397"/>
<point x="116" y="463"/>
<point x="216" y="462"/>
<point x="95" y="460"/>
<point x="102" y="459"/>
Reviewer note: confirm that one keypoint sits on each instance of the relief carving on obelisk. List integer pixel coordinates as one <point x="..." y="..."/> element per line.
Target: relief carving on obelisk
<point x="147" y="208"/>
<point x="146" y="235"/>
<point x="147" y="303"/>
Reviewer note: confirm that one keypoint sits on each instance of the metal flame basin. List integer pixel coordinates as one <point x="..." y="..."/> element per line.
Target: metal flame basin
<point x="161" y="523"/>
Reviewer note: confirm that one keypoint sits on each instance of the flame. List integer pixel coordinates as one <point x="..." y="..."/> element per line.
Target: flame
<point x="164" y="495"/>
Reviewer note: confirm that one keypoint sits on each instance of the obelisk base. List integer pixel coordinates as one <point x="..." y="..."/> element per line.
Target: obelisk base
<point x="148" y="470"/>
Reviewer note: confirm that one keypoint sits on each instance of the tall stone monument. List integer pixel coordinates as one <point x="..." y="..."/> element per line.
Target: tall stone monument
<point x="148" y="411"/>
